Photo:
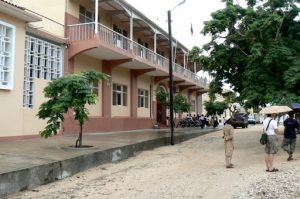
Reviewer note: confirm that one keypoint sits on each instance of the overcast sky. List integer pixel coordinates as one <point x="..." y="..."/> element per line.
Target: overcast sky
<point x="193" y="12"/>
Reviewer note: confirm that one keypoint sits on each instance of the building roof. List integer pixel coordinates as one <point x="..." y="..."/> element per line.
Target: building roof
<point x="17" y="11"/>
<point x="124" y="2"/>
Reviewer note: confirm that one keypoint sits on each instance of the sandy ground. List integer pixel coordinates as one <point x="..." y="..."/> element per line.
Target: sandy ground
<point x="192" y="169"/>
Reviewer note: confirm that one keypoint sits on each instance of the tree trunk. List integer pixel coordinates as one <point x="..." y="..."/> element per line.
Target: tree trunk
<point x="79" y="140"/>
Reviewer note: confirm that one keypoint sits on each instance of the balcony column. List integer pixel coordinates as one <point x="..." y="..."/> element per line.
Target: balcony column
<point x="187" y="62"/>
<point x="131" y="32"/>
<point x="155" y="42"/>
<point x="131" y="27"/>
<point x="153" y="102"/>
<point x="96" y="16"/>
<point x="198" y="102"/>
<point x="133" y="94"/>
<point x="189" y="97"/>
<point x="154" y="46"/>
<point x="184" y="60"/>
<point x="106" y="92"/>
<point x="195" y="70"/>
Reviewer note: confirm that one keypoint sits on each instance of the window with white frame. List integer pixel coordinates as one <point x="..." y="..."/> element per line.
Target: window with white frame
<point x="193" y="105"/>
<point x="43" y="60"/>
<point x="7" y="43"/>
<point x="143" y="98"/>
<point x="119" y="95"/>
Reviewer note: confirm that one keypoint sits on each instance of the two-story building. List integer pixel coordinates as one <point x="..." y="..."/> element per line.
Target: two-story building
<point x="43" y="40"/>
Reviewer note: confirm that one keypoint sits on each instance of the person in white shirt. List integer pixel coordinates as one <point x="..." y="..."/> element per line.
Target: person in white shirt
<point x="270" y="127"/>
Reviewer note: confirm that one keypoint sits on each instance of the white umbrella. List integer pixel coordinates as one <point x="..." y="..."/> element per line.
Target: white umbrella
<point x="275" y="109"/>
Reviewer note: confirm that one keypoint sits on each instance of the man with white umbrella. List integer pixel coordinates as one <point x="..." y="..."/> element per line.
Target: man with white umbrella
<point x="271" y="129"/>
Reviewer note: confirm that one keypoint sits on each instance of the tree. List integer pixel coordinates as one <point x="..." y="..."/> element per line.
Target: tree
<point x="255" y="49"/>
<point x="231" y="98"/>
<point x="68" y="92"/>
<point x="213" y="108"/>
<point x="181" y="104"/>
<point x="162" y="97"/>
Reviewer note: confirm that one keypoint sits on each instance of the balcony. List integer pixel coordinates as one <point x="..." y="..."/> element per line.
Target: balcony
<point x="107" y="37"/>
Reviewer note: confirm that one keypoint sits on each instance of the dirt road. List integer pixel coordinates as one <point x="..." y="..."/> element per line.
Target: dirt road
<point x="192" y="169"/>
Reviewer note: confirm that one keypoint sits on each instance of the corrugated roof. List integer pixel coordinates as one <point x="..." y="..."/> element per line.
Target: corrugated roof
<point x="22" y="8"/>
<point x="11" y="9"/>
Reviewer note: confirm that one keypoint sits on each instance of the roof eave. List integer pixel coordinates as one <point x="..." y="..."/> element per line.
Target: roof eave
<point x="18" y="12"/>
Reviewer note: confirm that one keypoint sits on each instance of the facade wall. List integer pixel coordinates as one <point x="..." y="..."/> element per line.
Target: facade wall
<point x="189" y="97"/>
<point x="144" y="83"/>
<point x="205" y="98"/>
<point x="72" y="7"/>
<point x="31" y="123"/>
<point x="83" y="63"/>
<point x="193" y="97"/>
<point x="15" y="119"/>
<point x="11" y="100"/>
<point x="155" y="87"/>
<point x="19" y="121"/>
<point x="121" y="76"/>
<point x="54" y="10"/>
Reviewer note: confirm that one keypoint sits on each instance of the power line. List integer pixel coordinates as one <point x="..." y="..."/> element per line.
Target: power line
<point x="44" y="17"/>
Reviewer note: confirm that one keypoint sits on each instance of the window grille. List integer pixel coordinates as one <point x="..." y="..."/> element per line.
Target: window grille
<point x="7" y="43"/>
<point x="43" y="60"/>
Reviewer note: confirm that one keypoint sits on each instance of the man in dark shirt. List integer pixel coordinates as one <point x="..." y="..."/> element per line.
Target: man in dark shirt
<point x="289" y="141"/>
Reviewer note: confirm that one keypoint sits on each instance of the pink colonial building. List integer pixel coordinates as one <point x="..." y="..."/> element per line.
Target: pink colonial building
<point x="42" y="40"/>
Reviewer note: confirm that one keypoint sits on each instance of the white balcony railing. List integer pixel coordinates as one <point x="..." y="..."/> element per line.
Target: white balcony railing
<point x="81" y="32"/>
<point x="86" y="31"/>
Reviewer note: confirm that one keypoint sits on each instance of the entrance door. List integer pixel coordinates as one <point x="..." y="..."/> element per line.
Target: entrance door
<point x="161" y="114"/>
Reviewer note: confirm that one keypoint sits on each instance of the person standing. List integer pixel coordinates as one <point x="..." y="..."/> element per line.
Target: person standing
<point x="228" y="132"/>
<point x="215" y="121"/>
<point x="289" y="140"/>
<point x="271" y="129"/>
<point x="202" y="121"/>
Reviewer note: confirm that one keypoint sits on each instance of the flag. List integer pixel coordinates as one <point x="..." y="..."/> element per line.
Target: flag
<point x="192" y="31"/>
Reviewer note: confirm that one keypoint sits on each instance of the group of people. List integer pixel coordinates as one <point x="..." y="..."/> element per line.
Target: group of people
<point x="203" y="120"/>
<point x="271" y="129"/>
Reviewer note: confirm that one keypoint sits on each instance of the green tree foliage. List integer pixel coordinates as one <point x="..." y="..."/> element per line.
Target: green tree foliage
<point x="255" y="49"/>
<point x="215" y="107"/>
<point x="68" y="92"/>
<point x="162" y="97"/>
<point x="181" y="104"/>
